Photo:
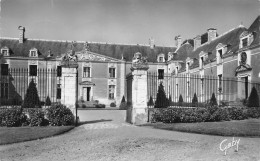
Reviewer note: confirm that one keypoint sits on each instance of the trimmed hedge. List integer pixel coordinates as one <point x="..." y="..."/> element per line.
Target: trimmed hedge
<point x="12" y="117"/>
<point x="209" y="114"/>
<point x="36" y="118"/>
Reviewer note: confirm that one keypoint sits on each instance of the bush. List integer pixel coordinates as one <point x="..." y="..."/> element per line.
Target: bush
<point x="60" y="115"/>
<point x="161" y="100"/>
<point x="180" y="100"/>
<point x="100" y="106"/>
<point x="36" y="118"/>
<point x="253" y="100"/>
<point x="237" y="113"/>
<point x="253" y="112"/>
<point x="12" y="117"/>
<point x="221" y="114"/>
<point x="113" y="104"/>
<point x="31" y="99"/>
<point x="123" y="104"/>
<point x="150" y="103"/>
<point x="213" y="100"/>
<point x="48" y="101"/>
<point x="195" y="100"/>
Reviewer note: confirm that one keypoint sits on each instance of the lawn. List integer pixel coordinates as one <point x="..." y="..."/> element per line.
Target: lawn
<point x="246" y="128"/>
<point x="10" y="135"/>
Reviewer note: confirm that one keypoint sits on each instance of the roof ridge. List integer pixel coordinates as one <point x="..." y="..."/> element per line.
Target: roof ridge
<point x="223" y="34"/>
<point x="91" y="42"/>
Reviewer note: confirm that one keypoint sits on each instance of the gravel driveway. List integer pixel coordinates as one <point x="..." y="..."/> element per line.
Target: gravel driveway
<point x="105" y="136"/>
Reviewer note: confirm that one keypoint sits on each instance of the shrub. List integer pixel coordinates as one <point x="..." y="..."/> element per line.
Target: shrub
<point x="60" y="115"/>
<point x="100" y="106"/>
<point x="253" y="100"/>
<point x="123" y="104"/>
<point x="169" y="100"/>
<point x="36" y="118"/>
<point x="31" y="99"/>
<point x="113" y="104"/>
<point x="213" y="100"/>
<point x="195" y="100"/>
<point x="220" y="114"/>
<point x="253" y="112"/>
<point x="180" y="102"/>
<point x="48" y="101"/>
<point x="150" y="103"/>
<point x="236" y="113"/>
<point x="161" y="100"/>
<point x="12" y="117"/>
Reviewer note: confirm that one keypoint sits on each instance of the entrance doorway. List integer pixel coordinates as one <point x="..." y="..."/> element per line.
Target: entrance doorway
<point x="87" y="93"/>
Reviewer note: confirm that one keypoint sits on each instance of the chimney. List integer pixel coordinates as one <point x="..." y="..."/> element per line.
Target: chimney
<point x="151" y="43"/>
<point x="21" y="34"/>
<point x="212" y="34"/>
<point x="178" y="41"/>
<point x="197" y="42"/>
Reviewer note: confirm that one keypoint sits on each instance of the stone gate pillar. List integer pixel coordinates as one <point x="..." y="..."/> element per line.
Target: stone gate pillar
<point x="69" y="82"/>
<point x="139" y="110"/>
<point x="68" y="87"/>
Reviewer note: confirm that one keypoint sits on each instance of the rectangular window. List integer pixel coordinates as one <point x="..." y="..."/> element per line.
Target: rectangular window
<point x="111" y="91"/>
<point x="4" y="69"/>
<point x="58" y="91"/>
<point x="112" y="72"/>
<point x="4" y="52"/>
<point x="33" y="70"/>
<point x="59" y="70"/>
<point x="202" y="62"/>
<point x="4" y="90"/>
<point x="244" y="42"/>
<point x="220" y="82"/>
<point x="219" y="56"/>
<point x="86" y="72"/>
<point x="33" y="53"/>
<point x="160" y="73"/>
<point x="160" y="59"/>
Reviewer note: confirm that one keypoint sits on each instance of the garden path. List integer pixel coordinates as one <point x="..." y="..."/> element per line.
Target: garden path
<point x="105" y="136"/>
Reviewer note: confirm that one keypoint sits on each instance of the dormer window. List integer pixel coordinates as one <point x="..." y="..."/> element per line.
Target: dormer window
<point x="219" y="57"/>
<point x="33" y="53"/>
<point x="5" y="51"/>
<point x="161" y="58"/>
<point x="244" y="42"/>
<point x="246" y="38"/>
<point x="201" y="62"/>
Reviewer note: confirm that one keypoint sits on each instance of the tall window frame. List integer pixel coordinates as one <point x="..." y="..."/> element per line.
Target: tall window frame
<point x="86" y="72"/>
<point x="111" y="92"/>
<point x="112" y="72"/>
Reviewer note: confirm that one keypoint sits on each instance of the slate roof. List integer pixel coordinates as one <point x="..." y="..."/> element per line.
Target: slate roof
<point x="60" y="47"/>
<point x="255" y="29"/>
<point x="230" y="38"/>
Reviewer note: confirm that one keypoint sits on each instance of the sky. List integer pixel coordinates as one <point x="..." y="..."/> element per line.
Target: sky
<point x="123" y="21"/>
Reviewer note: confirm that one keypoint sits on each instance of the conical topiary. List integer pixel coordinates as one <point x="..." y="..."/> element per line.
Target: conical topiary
<point x="150" y="103"/>
<point x="213" y="100"/>
<point x="170" y="101"/>
<point x="195" y="100"/>
<point x="253" y="100"/>
<point x="31" y="99"/>
<point x="123" y="99"/>
<point x="180" y="100"/>
<point x="161" y="100"/>
<point x="48" y="101"/>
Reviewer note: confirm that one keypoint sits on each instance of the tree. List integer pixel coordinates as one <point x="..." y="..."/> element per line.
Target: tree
<point x="213" y="100"/>
<point x="48" y="101"/>
<point x="180" y="100"/>
<point x="123" y="99"/>
<point x="31" y="99"/>
<point x="253" y="100"/>
<point x="150" y="103"/>
<point x="195" y="100"/>
<point x="161" y="100"/>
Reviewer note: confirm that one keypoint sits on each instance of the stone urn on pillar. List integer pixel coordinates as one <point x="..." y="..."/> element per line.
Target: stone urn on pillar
<point x="139" y="110"/>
